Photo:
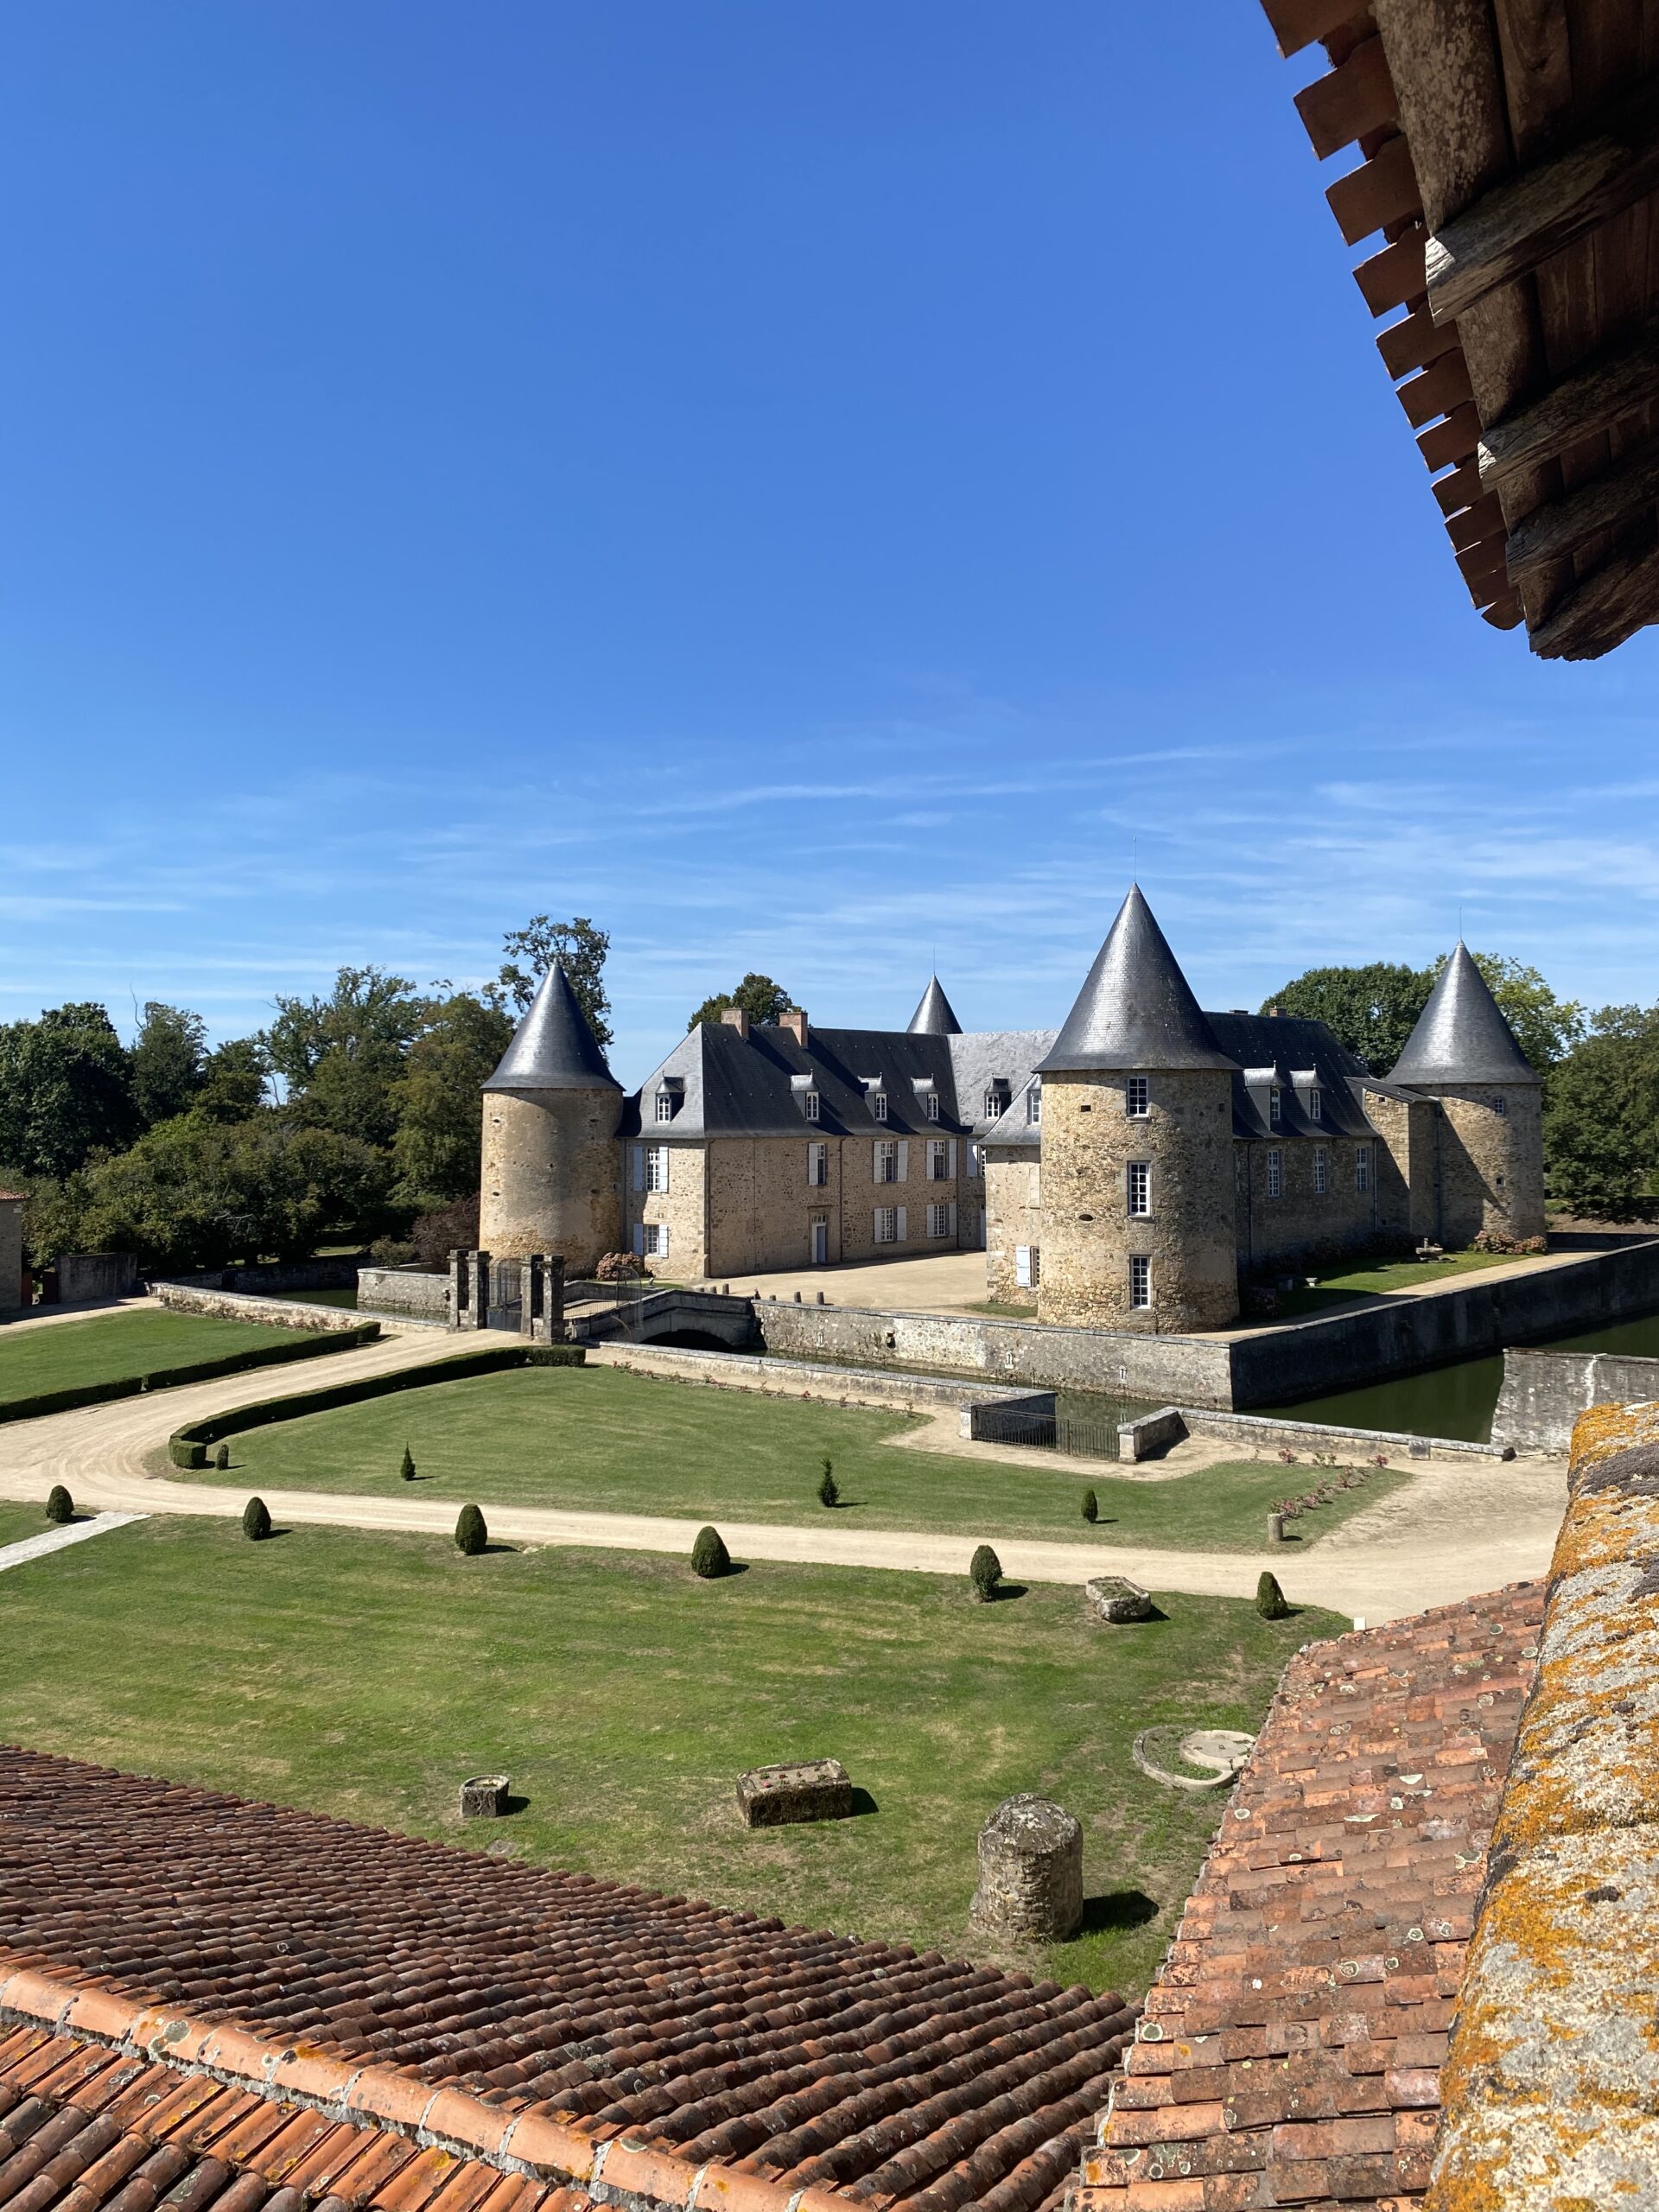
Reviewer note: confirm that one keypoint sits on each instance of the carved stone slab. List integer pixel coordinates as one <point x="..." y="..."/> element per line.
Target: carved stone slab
<point x="814" y="1790"/>
<point x="1114" y="1597"/>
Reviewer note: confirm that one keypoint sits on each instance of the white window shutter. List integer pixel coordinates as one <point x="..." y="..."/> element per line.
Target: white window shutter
<point x="639" y="1240"/>
<point x="951" y="1159"/>
<point x="903" y="1229"/>
<point x="875" y="1162"/>
<point x="1022" y="1266"/>
<point x="904" y="1165"/>
<point x="953" y="1217"/>
<point x="876" y="1225"/>
<point x="661" y="1242"/>
<point x="663" y="1155"/>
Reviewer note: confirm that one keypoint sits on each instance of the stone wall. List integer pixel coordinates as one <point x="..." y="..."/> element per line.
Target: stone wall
<point x="1014" y="1211"/>
<point x="1492" y="1162"/>
<point x="411" y="1293"/>
<point x="92" y="1278"/>
<point x="552" y="1176"/>
<point x="1089" y="1237"/>
<point x="11" y="1254"/>
<point x="795" y="1378"/>
<point x="1544" y="1393"/>
<point x="682" y="1208"/>
<point x="1304" y="1222"/>
<point x="1407" y="1166"/>
<point x="242" y="1306"/>
<point x="1155" y="1433"/>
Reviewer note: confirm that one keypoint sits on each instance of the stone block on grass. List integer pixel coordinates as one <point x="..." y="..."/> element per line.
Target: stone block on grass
<point x="484" y="1797"/>
<point x="1114" y="1598"/>
<point x="1030" y="1872"/>
<point x="810" y="1790"/>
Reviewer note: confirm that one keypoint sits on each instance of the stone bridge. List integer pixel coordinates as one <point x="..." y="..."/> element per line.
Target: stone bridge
<point x="699" y="1318"/>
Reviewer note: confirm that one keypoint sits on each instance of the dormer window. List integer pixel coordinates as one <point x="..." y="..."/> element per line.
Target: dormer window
<point x="1275" y="1108"/>
<point x="879" y="1105"/>
<point x="932" y="1105"/>
<point x="809" y="1104"/>
<point x="996" y="1102"/>
<point x="1316" y="1105"/>
<point x="670" y="1096"/>
<point x="1034" y="1105"/>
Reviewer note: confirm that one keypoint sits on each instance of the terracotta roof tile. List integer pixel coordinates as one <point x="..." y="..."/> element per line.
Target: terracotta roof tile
<point x="1291" y="2048"/>
<point x="399" y="1982"/>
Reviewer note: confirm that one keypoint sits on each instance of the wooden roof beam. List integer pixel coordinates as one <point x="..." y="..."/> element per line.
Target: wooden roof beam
<point x="1590" y="400"/>
<point x="1297" y="23"/>
<point x="1510" y="229"/>
<point x="1349" y="102"/>
<point x="1561" y="526"/>
<point x="1609" y="604"/>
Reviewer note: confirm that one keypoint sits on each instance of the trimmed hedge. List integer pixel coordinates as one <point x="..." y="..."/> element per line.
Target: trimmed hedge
<point x="195" y="1370"/>
<point x="188" y="1448"/>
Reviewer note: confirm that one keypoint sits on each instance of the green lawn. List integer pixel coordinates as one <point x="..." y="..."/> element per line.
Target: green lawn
<point x="114" y="1346"/>
<point x="597" y="1439"/>
<point x="17" y="1522"/>
<point x="366" y="1676"/>
<point x="1347" y="1283"/>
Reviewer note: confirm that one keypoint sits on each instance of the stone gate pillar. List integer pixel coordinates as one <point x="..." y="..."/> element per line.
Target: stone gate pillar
<point x="541" y="1315"/>
<point x="469" y="1290"/>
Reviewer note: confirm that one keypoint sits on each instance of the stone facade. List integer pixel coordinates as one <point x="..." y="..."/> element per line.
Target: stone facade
<point x="11" y="1251"/>
<point x="1013" y="1223"/>
<point x="552" y="1176"/>
<point x="1094" y="1151"/>
<point x="1321" y="1202"/>
<point x="1492" y="1162"/>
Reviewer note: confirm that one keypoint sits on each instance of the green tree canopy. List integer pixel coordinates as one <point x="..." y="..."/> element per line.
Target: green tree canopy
<point x="760" y="997"/>
<point x="578" y="945"/>
<point x="1373" y="1010"/>
<point x="167" y="1058"/>
<point x="66" y="1091"/>
<point x="233" y="1082"/>
<point x="1601" y="1117"/>
<point x="342" y="1056"/>
<point x="440" y="1100"/>
<point x="1545" y="1026"/>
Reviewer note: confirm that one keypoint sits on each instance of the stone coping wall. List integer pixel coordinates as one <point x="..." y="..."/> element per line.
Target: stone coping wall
<point x="798" y="1379"/>
<point x="1156" y="1432"/>
<point x="242" y="1306"/>
<point x="411" y="1293"/>
<point x="1551" y="2085"/>
<point x="1544" y="1393"/>
<point x="337" y="1271"/>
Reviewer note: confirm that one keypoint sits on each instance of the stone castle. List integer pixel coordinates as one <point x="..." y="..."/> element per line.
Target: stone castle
<point x="1128" y="1170"/>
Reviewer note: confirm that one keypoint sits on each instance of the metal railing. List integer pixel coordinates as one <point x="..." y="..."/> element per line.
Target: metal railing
<point x="1081" y="1435"/>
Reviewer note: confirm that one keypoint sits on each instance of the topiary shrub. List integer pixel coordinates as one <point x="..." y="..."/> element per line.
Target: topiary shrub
<point x="828" y="1489"/>
<point x="1091" y="1507"/>
<point x="256" y="1520"/>
<point x="59" y="1506"/>
<point x="710" y="1557"/>
<point x="471" y="1536"/>
<point x="1270" y="1600"/>
<point x="984" y="1572"/>
<point x="221" y="1456"/>
<point x="407" y="1470"/>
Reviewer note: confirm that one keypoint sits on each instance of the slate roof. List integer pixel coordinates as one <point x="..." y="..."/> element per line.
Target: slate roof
<point x="669" y="2034"/>
<point x="1291" y="2048"/>
<point x="935" y="1015"/>
<point x="1284" y="1046"/>
<point x="1461" y="1036"/>
<point x="1136" y="1009"/>
<point x="553" y="1048"/>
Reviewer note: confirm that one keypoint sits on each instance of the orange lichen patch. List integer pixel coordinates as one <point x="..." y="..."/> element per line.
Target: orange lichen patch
<point x="1604" y="1430"/>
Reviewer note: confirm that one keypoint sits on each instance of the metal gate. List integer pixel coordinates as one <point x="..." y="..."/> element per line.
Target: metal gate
<point x="1085" y="1437"/>
<point x="505" y="1308"/>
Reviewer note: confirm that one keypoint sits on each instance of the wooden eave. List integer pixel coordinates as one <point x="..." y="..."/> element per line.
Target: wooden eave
<point x="1505" y="206"/>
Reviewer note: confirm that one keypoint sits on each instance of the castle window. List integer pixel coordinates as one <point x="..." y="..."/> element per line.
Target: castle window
<point x="653" y="1240"/>
<point x="1318" y="1169"/>
<point x="666" y="1102"/>
<point x="932" y="1105"/>
<point x="938" y="1161"/>
<point x="1500" y="1105"/>
<point x="1137" y="1097"/>
<point x="817" y="1163"/>
<point x="1028" y="1266"/>
<point x="1276" y="1171"/>
<point x="886" y="1225"/>
<point x="1033" y="1105"/>
<point x="1139" y="1281"/>
<point x="809" y="1104"/>
<point x="1362" y="1167"/>
<point x="939" y="1221"/>
<point x="1316" y="1105"/>
<point x="1275" y="1108"/>
<point x="996" y="1102"/>
<point x="879" y="1105"/>
<point x="1139" y="1188"/>
<point x="656" y="1167"/>
<point x="886" y="1162"/>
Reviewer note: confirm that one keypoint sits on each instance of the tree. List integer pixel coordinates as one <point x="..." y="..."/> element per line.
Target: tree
<point x="59" y="1506"/>
<point x="761" y="998"/>
<point x="710" y="1557"/>
<point x="1091" y="1507"/>
<point x="233" y="1078"/>
<point x="256" y="1520"/>
<point x="1271" y="1601"/>
<point x="1545" y="1027"/>
<point x="578" y="946"/>
<point x="984" y="1573"/>
<point x="440" y="1100"/>
<point x="52" y="1214"/>
<point x="1601" y="1116"/>
<point x="407" y="1470"/>
<point x="169" y="1056"/>
<point x="342" y="1056"/>
<point x="828" y="1488"/>
<point x="66" y="1091"/>
<point x="472" y="1534"/>
<point x="1371" y="1010"/>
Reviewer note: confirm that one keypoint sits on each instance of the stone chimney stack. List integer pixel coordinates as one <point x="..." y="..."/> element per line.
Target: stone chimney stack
<point x="733" y="1017"/>
<point x="795" y="1021"/>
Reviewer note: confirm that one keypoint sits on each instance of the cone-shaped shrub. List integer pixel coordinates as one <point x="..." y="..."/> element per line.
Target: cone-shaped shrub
<point x="709" y="1556"/>
<point x="828" y="1489"/>
<point x="221" y="1456"/>
<point x="1091" y="1506"/>
<point x="256" y="1520"/>
<point x="1270" y="1600"/>
<point x="59" y="1506"/>
<point x="985" y="1572"/>
<point x="472" y="1536"/>
<point x="407" y="1470"/>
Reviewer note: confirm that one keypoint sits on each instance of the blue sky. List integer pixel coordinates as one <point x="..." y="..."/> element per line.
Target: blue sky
<point x="806" y="485"/>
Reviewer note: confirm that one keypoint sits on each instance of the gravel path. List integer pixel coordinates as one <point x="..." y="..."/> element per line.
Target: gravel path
<point x="1457" y="1528"/>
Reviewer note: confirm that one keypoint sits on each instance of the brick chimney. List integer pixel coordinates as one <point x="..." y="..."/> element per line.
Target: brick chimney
<point x="795" y="1021"/>
<point x="734" y="1017"/>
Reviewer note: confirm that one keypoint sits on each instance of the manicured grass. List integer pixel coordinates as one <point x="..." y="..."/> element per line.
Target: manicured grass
<point x="1389" y="1275"/>
<point x="366" y="1675"/>
<point x="112" y="1346"/>
<point x="1003" y="1311"/>
<point x="598" y="1439"/>
<point x="17" y="1522"/>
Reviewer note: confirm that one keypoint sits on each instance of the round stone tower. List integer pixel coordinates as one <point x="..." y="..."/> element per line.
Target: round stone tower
<point x="1490" y="1172"/>
<point x="552" y="1164"/>
<point x="1137" y="1148"/>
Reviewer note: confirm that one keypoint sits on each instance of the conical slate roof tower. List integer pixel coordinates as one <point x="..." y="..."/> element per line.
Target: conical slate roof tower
<point x="1461" y="1035"/>
<point x="935" y="1016"/>
<point x="1136" y="1010"/>
<point x="554" y="1047"/>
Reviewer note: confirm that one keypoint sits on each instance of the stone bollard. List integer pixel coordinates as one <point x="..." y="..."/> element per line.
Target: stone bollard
<point x="484" y="1797"/>
<point x="1275" y="1527"/>
<point x="820" y="1298"/>
<point x="1030" y="1872"/>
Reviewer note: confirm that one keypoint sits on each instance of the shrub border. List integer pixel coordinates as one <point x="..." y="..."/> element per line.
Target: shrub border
<point x="195" y="1370"/>
<point x="187" y="1446"/>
